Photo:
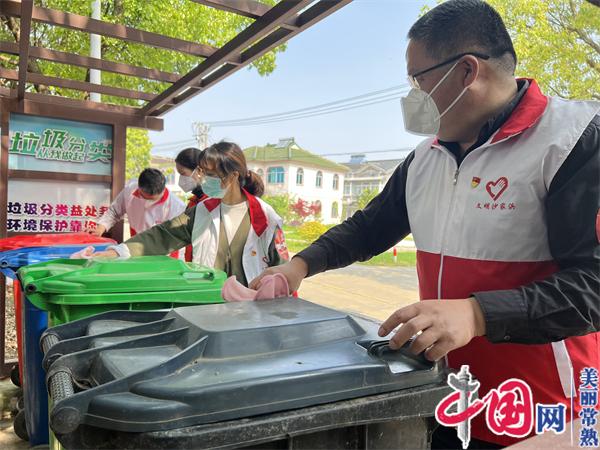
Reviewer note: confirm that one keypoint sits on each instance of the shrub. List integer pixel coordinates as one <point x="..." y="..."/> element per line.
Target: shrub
<point x="310" y="231"/>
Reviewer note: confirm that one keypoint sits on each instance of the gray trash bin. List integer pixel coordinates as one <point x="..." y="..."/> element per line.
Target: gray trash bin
<point x="285" y="372"/>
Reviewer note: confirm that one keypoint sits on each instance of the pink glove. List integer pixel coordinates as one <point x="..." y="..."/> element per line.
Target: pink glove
<point x="271" y="286"/>
<point x="86" y="253"/>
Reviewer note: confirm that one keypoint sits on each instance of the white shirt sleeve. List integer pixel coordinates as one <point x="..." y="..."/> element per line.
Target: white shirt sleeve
<point x="115" y="212"/>
<point x="176" y="207"/>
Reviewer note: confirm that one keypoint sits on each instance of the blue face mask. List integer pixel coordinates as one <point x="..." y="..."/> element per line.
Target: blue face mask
<point x="211" y="186"/>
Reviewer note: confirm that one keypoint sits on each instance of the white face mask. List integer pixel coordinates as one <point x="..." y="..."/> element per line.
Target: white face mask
<point x="420" y="113"/>
<point x="187" y="184"/>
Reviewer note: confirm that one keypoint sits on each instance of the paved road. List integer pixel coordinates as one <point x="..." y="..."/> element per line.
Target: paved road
<point x="368" y="290"/>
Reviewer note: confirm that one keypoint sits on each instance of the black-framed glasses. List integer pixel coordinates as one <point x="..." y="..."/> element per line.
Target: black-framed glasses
<point x="412" y="79"/>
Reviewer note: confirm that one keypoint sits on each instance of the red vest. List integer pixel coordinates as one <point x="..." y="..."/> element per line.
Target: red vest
<point x="482" y="228"/>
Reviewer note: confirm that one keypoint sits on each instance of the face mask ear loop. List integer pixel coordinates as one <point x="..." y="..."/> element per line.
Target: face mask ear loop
<point x="443" y="78"/>
<point x="454" y="102"/>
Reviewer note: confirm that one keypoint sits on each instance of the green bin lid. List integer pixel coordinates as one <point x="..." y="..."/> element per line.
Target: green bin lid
<point x="79" y="277"/>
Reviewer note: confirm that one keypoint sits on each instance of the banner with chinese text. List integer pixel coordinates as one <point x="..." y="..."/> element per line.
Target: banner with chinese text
<point x="36" y="206"/>
<point x="56" y="145"/>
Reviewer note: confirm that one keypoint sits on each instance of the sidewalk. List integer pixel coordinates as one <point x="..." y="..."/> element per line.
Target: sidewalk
<point x="367" y="290"/>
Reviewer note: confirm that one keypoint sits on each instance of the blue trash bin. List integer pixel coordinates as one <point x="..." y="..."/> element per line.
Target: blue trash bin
<point x="33" y="323"/>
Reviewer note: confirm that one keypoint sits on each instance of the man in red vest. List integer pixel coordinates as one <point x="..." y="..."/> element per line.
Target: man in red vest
<point x="146" y="202"/>
<point x="502" y="200"/>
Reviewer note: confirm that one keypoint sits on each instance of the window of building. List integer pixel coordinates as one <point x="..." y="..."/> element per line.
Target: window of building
<point x="319" y="182"/>
<point x="300" y="177"/>
<point x="275" y="175"/>
<point x="336" y="182"/>
<point x="334" y="210"/>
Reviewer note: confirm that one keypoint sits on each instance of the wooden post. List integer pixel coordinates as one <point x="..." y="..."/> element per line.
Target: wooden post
<point x="118" y="172"/>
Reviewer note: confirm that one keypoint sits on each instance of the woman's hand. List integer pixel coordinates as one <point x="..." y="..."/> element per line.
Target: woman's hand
<point x="89" y="253"/>
<point x="295" y="271"/>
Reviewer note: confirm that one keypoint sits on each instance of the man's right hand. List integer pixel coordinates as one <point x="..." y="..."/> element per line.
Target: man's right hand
<point x="99" y="230"/>
<point x="295" y="271"/>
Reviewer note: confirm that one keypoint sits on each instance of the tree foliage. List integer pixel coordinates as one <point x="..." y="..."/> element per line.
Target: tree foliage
<point x="281" y="204"/>
<point x="138" y="152"/>
<point x="303" y="209"/>
<point x="182" y="19"/>
<point x="557" y="43"/>
<point x="365" y="197"/>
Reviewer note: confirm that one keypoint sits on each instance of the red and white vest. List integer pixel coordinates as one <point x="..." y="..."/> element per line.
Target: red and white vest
<point x="483" y="228"/>
<point x="266" y="226"/>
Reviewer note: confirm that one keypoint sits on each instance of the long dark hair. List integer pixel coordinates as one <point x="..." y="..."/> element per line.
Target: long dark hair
<point x="226" y="158"/>
<point x="189" y="157"/>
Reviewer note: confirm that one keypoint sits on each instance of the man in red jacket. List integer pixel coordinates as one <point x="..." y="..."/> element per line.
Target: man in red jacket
<point x="502" y="199"/>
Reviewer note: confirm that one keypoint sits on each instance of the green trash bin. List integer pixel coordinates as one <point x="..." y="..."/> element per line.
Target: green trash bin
<point x="71" y="289"/>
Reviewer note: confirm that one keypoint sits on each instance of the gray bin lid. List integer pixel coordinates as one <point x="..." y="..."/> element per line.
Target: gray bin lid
<point x="150" y="371"/>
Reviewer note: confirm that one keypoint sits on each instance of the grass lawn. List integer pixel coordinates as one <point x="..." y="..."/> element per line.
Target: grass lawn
<point x="295" y="243"/>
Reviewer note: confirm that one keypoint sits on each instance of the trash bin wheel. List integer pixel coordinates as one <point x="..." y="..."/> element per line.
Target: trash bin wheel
<point x="21" y="403"/>
<point x="14" y="376"/>
<point x="20" y="426"/>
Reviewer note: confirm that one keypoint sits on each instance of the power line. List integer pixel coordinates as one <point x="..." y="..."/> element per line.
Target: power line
<point x="368" y="152"/>
<point x="315" y="114"/>
<point x="310" y="109"/>
<point x="358" y="101"/>
<point x="170" y="144"/>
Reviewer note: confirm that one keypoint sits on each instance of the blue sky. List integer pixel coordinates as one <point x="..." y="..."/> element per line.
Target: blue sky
<point x="358" y="49"/>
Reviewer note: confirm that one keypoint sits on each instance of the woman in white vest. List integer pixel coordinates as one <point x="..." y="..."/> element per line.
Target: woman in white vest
<point x="232" y="230"/>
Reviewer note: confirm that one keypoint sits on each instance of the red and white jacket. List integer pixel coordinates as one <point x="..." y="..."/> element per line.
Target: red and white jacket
<point x="141" y="213"/>
<point x="266" y="229"/>
<point x="513" y="225"/>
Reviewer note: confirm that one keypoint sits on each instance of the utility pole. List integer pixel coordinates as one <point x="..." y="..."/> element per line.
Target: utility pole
<point x="201" y="131"/>
<point x="95" y="52"/>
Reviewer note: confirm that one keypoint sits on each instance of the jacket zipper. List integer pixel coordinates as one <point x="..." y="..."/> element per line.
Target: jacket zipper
<point x="443" y="242"/>
<point x="452" y="201"/>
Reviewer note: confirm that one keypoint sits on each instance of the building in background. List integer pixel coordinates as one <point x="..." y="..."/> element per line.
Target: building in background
<point x="363" y="175"/>
<point x="286" y="168"/>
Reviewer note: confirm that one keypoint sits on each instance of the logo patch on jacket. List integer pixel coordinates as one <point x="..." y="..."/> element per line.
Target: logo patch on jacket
<point x="497" y="188"/>
<point x="280" y="245"/>
<point x="475" y="182"/>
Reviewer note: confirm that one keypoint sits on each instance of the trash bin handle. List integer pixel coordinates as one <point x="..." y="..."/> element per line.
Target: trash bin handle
<point x="48" y="340"/>
<point x="63" y="419"/>
<point x="60" y="384"/>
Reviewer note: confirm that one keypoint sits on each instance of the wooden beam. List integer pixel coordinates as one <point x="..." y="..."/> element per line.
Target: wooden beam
<point x="311" y="16"/>
<point x="80" y="110"/>
<point x="89" y="25"/>
<point x="25" y="31"/>
<point x="77" y="85"/>
<point x="89" y="87"/>
<point x="247" y="8"/>
<point x="259" y="29"/>
<point x="90" y="63"/>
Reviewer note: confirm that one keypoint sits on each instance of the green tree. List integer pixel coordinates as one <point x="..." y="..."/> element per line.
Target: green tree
<point x="557" y="43"/>
<point x="137" y="153"/>
<point x="281" y="205"/>
<point x="365" y="197"/>
<point x="183" y="19"/>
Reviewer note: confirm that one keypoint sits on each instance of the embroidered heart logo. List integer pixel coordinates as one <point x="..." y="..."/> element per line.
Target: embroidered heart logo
<point x="497" y="188"/>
